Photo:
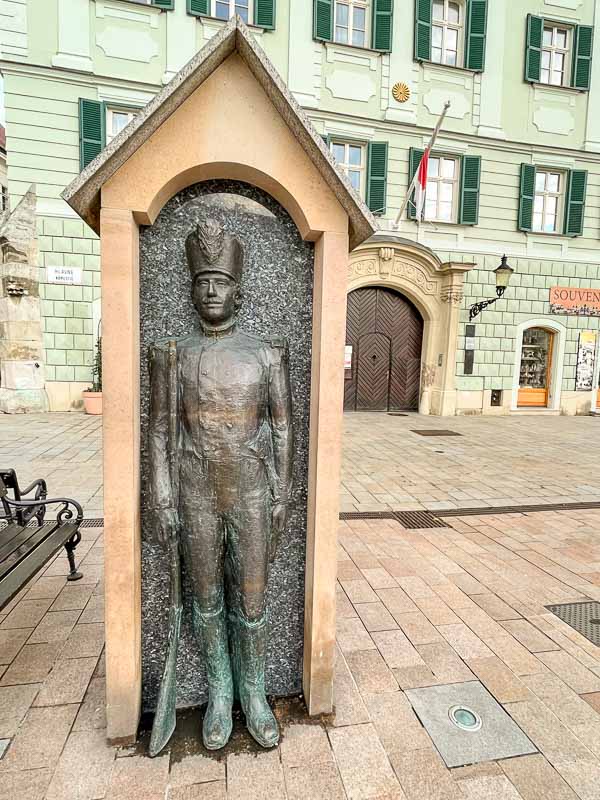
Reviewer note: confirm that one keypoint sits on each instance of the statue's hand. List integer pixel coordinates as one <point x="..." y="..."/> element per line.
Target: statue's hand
<point x="167" y="524"/>
<point x="278" y="520"/>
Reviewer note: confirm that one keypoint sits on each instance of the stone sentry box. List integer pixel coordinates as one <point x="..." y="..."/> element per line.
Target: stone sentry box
<point x="226" y="116"/>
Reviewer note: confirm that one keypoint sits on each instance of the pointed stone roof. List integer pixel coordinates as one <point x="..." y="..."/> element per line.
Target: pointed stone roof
<point x="18" y="229"/>
<point x="83" y="194"/>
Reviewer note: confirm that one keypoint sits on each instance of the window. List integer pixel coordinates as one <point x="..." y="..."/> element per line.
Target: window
<point x="547" y="205"/>
<point x="351" y="22"/>
<point x="446" y="32"/>
<point x="442" y="189"/>
<point x="552" y="200"/>
<point x="116" y="120"/>
<point x="556" y="45"/>
<point x="351" y="159"/>
<point x="4" y="198"/>
<point x="224" y="9"/>
<point x="558" y="54"/>
<point x="358" y="23"/>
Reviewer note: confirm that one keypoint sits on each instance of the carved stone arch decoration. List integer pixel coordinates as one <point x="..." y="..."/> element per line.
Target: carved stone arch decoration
<point x="435" y="288"/>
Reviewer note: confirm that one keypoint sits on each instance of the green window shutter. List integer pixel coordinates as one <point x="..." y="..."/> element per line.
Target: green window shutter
<point x="414" y="159"/>
<point x="533" y="47"/>
<point x="92" y="130"/>
<point x="582" y="57"/>
<point x="323" y="20"/>
<point x="383" y="11"/>
<point x="377" y="176"/>
<point x="423" y="14"/>
<point x="470" y="176"/>
<point x="526" y="197"/>
<point x="477" y="11"/>
<point x="198" y="8"/>
<point x="575" y="202"/>
<point x="264" y="14"/>
<point x="167" y="5"/>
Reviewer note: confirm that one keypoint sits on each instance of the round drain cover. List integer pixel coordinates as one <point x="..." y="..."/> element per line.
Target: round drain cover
<point x="465" y="718"/>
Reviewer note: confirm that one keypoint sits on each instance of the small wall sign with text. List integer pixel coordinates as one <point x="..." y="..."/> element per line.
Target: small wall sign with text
<point x="70" y="276"/>
<point x="577" y="302"/>
<point x="348" y="357"/>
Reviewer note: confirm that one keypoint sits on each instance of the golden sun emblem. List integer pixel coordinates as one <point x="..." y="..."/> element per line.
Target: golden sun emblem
<point x="400" y="92"/>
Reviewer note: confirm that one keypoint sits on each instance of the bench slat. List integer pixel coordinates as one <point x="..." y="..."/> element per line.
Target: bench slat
<point x="8" y="533"/>
<point x="22" y="544"/>
<point x="22" y="571"/>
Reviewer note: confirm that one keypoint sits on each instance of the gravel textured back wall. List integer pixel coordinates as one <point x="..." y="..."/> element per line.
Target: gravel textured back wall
<point x="277" y="287"/>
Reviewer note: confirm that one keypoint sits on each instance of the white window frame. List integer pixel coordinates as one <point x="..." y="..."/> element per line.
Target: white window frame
<point x="232" y="8"/>
<point x="446" y="25"/>
<point x="352" y="5"/>
<point x="110" y="110"/>
<point x="553" y="49"/>
<point x="345" y="165"/>
<point x="560" y="195"/>
<point x="440" y="180"/>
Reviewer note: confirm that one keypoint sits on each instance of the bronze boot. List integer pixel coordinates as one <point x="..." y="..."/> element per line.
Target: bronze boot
<point x="260" y="721"/>
<point x="218" y="723"/>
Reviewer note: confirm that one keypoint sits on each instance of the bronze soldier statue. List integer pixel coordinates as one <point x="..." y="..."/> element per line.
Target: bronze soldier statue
<point x="221" y="470"/>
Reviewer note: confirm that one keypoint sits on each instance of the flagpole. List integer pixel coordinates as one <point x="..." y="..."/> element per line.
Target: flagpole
<point x="413" y="183"/>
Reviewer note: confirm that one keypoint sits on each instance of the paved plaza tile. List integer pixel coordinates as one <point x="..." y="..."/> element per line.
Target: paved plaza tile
<point x="496" y="461"/>
<point x="416" y="609"/>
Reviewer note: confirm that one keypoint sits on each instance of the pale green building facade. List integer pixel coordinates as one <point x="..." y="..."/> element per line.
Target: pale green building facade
<point x="515" y="169"/>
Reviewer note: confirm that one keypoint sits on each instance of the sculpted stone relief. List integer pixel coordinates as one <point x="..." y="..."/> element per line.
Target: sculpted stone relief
<point x="385" y="265"/>
<point x="416" y="275"/>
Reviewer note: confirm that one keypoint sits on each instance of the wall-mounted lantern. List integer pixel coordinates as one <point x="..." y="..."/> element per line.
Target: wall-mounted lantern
<point x="503" y="275"/>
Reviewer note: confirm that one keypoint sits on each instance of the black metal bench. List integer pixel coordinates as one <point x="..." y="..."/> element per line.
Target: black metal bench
<point x="26" y="546"/>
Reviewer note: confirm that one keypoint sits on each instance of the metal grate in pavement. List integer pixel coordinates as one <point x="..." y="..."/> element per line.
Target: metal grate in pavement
<point x="92" y="522"/>
<point x="396" y="414"/>
<point x="583" y="617"/>
<point x="408" y="519"/>
<point x="435" y="432"/>
<point x="419" y="519"/>
<point x="530" y="509"/>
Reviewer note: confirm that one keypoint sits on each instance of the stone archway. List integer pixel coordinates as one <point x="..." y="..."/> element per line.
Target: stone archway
<point x="436" y="290"/>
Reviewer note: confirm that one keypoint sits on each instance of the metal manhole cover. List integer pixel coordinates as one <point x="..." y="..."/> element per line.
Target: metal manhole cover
<point x="435" y="432"/>
<point x="419" y="519"/>
<point x="582" y="617"/>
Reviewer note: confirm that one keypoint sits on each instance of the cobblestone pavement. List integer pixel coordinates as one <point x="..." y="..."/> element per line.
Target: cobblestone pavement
<point x="66" y="449"/>
<point x="416" y="608"/>
<point x="495" y="461"/>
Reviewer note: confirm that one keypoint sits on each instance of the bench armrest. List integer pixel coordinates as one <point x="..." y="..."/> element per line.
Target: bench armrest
<point x="41" y="489"/>
<point x="65" y="513"/>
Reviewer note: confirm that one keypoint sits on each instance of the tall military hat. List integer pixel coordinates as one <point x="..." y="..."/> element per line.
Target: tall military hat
<point x="210" y="249"/>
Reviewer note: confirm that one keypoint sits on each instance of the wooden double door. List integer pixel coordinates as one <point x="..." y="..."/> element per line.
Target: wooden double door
<point x="384" y="336"/>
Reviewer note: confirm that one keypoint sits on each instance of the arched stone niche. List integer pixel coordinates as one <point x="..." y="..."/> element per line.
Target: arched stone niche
<point x="436" y="289"/>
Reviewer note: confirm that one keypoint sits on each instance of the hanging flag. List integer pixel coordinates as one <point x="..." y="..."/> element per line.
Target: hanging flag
<point x="421" y="185"/>
<point x="418" y="184"/>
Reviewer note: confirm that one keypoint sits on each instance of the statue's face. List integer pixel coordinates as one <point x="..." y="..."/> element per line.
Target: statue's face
<point x="215" y="297"/>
